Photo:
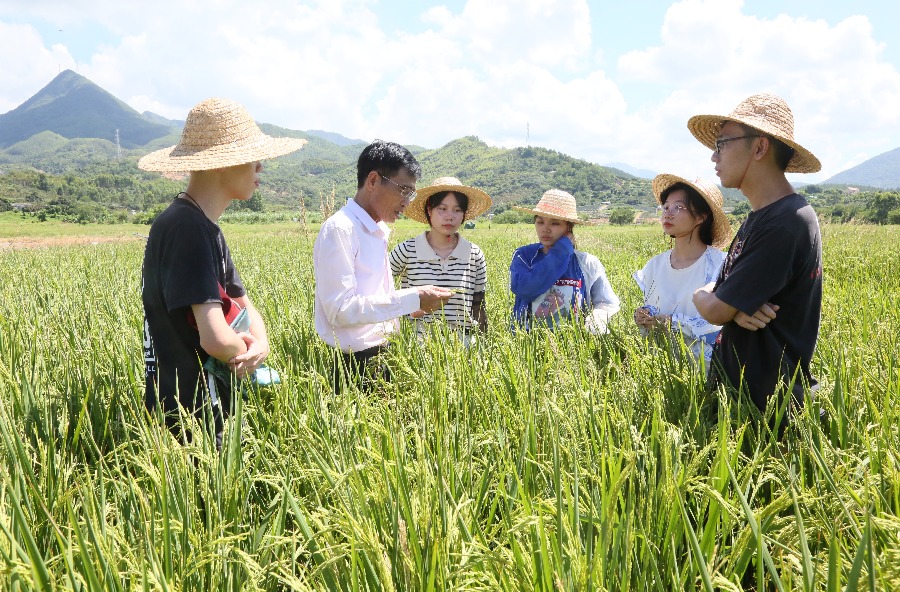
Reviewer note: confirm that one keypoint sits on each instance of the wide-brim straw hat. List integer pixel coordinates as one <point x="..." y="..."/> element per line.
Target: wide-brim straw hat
<point x="710" y="192"/>
<point x="766" y="113"/>
<point x="479" y="201"/>
<point x="558" y="204"/>
<point x="218" y="133"/>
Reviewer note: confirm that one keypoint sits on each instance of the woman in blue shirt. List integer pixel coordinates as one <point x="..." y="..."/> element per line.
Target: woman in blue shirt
<point x="551" y="280"/>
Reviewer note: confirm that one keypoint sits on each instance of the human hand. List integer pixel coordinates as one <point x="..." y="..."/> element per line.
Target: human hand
<point x="432" y="298"/>
<point x="642" y="317"/>
<point x="759" y="319"/>
<point x="246" y="363"/>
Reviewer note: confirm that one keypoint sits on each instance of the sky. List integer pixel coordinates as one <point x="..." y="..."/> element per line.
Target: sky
<point x="605" y="81"/>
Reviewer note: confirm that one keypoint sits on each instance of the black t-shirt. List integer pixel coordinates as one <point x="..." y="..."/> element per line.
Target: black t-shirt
<point x="185" y="260"/>
<point x="776" y="257"/>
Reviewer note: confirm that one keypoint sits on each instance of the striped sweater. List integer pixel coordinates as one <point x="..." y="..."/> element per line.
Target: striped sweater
<point x="416" y="264"/>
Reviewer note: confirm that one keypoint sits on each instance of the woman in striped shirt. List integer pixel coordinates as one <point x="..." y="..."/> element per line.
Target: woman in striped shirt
<point x="441" y="257"/>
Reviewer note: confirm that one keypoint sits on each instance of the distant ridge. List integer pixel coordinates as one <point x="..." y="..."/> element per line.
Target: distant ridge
<point x="336" y="138"/>
<point x="879" y="171"/>
<point x="179" y="123"/>
<point x="626" y="168"/>
<point x="74" y="107"/>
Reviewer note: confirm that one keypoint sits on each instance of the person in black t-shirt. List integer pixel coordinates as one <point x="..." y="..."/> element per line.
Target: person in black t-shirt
<point x="190" y="288"/>
<point x="768" y="296"/>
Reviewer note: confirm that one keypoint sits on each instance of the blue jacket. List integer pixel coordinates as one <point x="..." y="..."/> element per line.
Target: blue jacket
<point x="532" y="272"/>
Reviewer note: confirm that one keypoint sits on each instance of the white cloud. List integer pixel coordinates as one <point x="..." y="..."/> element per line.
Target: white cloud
<point x="833" y="77"/>
<point x="543" y="32"/>
<point x="487" y="70"/>
<point x="26" y="65"/>
<point x="858" y="159"/>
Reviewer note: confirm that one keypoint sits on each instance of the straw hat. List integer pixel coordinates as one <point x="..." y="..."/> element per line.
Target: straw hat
<point x="558" y="204"/>
<point x="218" y="133"/>
<point x="479" y="201"/>
<point x="766" y="113"/>
<point x="710" y="192"/>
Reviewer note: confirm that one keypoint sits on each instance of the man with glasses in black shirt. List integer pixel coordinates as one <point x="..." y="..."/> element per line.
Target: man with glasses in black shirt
<point x="768" y="297"/>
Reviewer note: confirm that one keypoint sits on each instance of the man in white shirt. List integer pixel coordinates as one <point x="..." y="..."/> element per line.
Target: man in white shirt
<point x="357" y="306"/>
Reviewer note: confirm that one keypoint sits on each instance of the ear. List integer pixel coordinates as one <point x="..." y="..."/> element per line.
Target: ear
<point x="762" y="148"/>
<point x="372" y="178"/>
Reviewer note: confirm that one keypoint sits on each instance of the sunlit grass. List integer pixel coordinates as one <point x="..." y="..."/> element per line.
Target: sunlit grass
<point x="551" y="462"/>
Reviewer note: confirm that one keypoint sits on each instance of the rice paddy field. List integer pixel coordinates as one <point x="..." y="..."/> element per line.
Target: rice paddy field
<point x="531" y="462"/>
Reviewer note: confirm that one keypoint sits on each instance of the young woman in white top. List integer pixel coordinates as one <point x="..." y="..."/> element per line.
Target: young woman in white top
<point x="692" y="216"/>
<point x="442" y="257"/>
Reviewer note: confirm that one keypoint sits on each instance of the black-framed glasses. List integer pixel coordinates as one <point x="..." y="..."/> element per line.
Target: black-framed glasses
<point x="405" y="192"/>
<point x="720" y="143"/>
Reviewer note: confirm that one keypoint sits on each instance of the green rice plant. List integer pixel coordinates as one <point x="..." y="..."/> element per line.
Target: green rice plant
<point x="538" y="461"/>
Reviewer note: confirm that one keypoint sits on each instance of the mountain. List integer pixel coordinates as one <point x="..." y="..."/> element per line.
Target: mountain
<point x="518" y="175"/>
<point x="179" y="123"/>
<point x="335" y="138"/>
<point x="66" y="132"/>
<point x="626" y="168"/>
<point x="74" y="107"/>
<point x="879" y="171"/>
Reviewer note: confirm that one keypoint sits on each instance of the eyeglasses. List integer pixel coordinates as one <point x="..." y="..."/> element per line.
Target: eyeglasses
<point x="672" y="210"/>
<point x="405" y="192"/>
<point x="720" y="143"/>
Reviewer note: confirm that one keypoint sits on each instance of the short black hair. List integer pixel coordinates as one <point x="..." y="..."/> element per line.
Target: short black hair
<point x="782" y="152"/>
<point x="435" y="200"/>
<point x="696" y="206"/>
<point x="386" y="158"/>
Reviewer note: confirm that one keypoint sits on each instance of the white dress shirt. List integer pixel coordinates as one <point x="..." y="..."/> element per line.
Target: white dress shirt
<point x="356" y="303"/>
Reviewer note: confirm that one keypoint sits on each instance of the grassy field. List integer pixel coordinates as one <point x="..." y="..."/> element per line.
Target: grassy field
<point x="532" y="462"/>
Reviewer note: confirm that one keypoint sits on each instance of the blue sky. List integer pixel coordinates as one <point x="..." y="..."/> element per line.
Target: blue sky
<point x="603" y="81"/>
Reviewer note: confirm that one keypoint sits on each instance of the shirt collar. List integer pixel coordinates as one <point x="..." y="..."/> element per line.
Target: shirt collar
<point x="424" y="252"/>
<point x="366" y="220"/>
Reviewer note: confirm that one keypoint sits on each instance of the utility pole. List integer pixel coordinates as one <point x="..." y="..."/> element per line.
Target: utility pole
<point x="527" y="133"/>
<point x="118" y="147"/>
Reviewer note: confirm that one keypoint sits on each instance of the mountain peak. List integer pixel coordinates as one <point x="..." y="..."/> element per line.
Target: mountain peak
<point x="74" y="107"/>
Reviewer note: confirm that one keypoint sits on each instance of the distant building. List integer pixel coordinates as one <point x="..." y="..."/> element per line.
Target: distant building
<point x="851" y="190"/>
<point x="22" y="206"/>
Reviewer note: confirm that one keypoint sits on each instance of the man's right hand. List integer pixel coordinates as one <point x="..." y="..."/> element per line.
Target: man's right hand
<point x="760" y="318"/>
<point x="432" y="298"/>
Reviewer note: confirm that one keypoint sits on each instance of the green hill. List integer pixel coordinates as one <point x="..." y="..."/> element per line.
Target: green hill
<point x="335" y="138"/>
<point x="36" y="145"/>
<point x="74" y="107"/>
<point x="882" y="171"/>
<point x="519" y="175"/>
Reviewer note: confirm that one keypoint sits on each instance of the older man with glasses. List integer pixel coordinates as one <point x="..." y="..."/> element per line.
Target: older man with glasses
<point x="356" y="305"/>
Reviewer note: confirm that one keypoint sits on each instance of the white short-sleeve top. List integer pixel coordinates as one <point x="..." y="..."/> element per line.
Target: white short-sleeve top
<point x="670" y="291"/>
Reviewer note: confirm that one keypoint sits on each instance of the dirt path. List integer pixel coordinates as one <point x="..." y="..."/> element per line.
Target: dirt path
<point x="30" y="242"/>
